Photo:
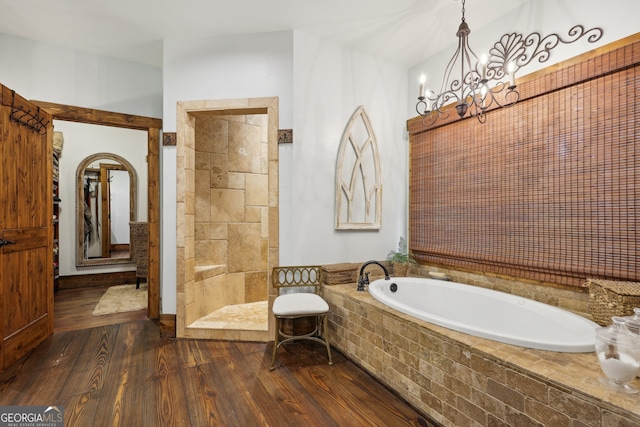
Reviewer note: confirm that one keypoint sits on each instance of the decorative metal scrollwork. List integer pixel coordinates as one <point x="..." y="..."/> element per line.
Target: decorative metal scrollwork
<point x="520" y="50"/>
<point x="296" y="276"/>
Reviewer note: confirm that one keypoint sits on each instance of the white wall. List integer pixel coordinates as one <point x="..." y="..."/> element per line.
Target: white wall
<point x="243" y="66"/>
<point x="330" y="82"/>
<point x="618" y="20"/>
<point x="80" y="141"/>
<point x="45" y="72"/>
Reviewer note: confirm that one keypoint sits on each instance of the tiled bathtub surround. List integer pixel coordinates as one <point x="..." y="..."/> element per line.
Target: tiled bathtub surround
<point x="227" y="211"/>
<point x="461" y="380"/>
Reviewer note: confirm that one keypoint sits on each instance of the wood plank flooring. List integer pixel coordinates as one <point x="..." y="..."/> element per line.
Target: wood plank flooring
<point x="73" y="308"/>
<point x="127" y="375"/>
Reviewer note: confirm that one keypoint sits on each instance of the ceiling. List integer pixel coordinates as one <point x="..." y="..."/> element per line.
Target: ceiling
<point x="400" y="31"/>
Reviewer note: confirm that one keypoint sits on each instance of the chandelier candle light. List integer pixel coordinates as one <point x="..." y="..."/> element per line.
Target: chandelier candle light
<point x="491" y="80"/>
<point x="471" y="92"/>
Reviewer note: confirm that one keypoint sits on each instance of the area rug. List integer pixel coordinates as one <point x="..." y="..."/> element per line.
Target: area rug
<point x="121" y="299"/>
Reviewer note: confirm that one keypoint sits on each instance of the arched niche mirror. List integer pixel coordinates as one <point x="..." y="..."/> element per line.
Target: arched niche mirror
<point x="106" y="195"/>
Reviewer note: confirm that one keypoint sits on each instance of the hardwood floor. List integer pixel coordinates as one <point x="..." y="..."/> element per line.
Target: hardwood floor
<point x="73" y="308"/>
<point x="126" y="374"/>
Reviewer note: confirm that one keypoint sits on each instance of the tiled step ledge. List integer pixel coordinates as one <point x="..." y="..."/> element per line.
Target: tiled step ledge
<point x="206" y="271"/>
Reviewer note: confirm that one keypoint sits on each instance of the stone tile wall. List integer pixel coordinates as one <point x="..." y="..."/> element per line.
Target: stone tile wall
<point x="461" y="380"/>
<point x="232" y="203"/>
<point x="227" y="209"/>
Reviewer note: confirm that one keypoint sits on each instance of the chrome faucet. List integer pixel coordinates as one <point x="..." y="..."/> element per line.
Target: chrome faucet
<point x="363" y="279"/>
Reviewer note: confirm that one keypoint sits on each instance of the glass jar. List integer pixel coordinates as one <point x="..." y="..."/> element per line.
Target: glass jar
<point x="618" y="352"/>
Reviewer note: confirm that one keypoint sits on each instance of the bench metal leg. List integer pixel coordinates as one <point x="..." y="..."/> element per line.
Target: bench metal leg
<point x="319" y="334"/>
<point x="275" y="344"/>
<point x="325" y="335"/>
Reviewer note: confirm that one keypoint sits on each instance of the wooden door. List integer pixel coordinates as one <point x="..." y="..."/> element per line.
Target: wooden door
<point x="26" y="227"/>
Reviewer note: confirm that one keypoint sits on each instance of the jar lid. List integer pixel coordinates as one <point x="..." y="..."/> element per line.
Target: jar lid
<point x="633" y="322"/>
<point x="618" y="334"/>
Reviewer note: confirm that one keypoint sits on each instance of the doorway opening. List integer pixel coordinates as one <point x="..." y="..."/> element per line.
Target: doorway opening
<point x="227" y="217"/>
<point x="152" y="127"/>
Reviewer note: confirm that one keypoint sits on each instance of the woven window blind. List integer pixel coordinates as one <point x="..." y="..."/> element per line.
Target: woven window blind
<point x="547" y="189"/>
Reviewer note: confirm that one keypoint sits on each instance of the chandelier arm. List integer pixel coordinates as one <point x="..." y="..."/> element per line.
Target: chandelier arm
<point x="429" y="119"/>
<point x="422" y="105"/>
<point x="446" y="86"/>
<point x="473" y="75"/>
<point x="482" y="117"/>
<point x="511" y="96"/>
<point x="448" y="97"/>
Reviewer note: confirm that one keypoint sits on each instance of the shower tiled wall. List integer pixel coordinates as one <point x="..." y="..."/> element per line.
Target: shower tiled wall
<point x="232" y="203"/>
<point x="226" y="210"/>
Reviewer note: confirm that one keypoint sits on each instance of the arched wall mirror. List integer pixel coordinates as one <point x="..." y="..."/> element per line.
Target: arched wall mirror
<point x="106" y="195"/>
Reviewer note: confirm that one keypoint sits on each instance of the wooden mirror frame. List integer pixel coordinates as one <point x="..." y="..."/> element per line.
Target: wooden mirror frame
<point x="81" y="261"/>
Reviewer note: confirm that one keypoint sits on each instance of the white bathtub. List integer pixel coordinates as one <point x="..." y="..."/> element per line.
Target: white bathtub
<point x="489" y="314"/>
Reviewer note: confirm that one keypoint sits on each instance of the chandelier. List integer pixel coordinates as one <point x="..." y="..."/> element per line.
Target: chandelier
<point x="471" y="93"/>
<point x="489" y="82"/>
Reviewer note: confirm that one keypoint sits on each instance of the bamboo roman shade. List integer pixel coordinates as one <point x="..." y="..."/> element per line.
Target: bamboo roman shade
<point x="547" y="189"/>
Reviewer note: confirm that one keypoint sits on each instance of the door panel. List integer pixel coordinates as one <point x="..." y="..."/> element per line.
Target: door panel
<point x="24" y="296"/>
<point x="26" y="206"/>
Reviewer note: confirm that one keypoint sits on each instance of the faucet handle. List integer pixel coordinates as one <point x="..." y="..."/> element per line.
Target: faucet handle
<point x="366" y="278"/>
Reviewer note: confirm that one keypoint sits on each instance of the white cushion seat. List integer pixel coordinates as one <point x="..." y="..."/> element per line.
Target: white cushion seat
<point x="299" y="304"/>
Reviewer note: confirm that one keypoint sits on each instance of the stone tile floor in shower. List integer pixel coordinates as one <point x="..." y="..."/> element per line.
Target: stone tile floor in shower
<point x="251" y="316"/>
